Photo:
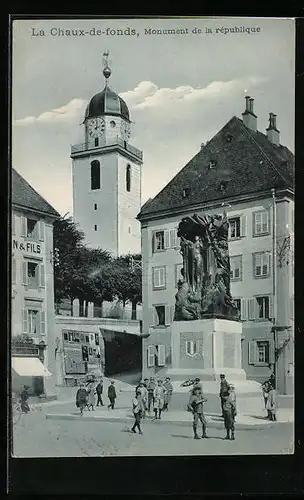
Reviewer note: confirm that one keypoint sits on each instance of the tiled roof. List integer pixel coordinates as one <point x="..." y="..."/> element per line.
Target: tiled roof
<point x="246" y="160"/>
<point x="25" y="196"/>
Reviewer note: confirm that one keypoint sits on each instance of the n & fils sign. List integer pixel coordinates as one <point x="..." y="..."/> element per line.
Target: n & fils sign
<point x="29" y="247"/>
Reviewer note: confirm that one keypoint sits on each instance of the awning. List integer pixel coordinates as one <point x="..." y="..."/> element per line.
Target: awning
<point x="29" y="367"/>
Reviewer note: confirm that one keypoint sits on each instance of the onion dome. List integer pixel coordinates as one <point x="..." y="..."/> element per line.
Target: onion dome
<point x="107" y="102"/>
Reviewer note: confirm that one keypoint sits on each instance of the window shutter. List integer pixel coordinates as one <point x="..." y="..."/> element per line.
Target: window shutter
<point x="251" y="308"/>
<point x="13" y="224"/>
<point x="24" y="273"/>
<point x="154" y="316"/>
<point x="25" y="320"/>
<point x="271" y="352"/>
<point x="41" y="275"/>
<point x="153" y="242"/>
<point x="161" y="355"/>
<point x="166" y="239"/>
<point x="244" y="309"/>
<point x="151" y="355"/>
<point x="168" y="315"/>
<point x="270" y="306"/>
<point x="38" y="323"/>
<point x="14" y="270"/>
<point x="151" y="316"/>
<point x="243" y="223"/>
<point x="23" y="226"/>
<point x="41" y="230"/>
<point x="251" y="352"/>
<point x="268" y="262"/>
<point x="42" y="322"/>
<point x="172" y="238"/>
<point x="155" y="277"/>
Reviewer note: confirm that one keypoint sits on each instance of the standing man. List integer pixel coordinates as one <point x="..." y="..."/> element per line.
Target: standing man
<point x="159" y="398"/>
<point x="144" y="396"/>
<point x="169" y="389"/>
<point x="224" y="389"/>
<point x="229" y="410"/>
<point x="150" y="387"/>
<point x="271" y="405"/>
<point x="99" y="391"/>
<point x="195" y="406"/>
<point x="112" y="395"/>
<point x="24" y="400"/>
<point x="197" y="385"/>
<point x="137" y="411"/>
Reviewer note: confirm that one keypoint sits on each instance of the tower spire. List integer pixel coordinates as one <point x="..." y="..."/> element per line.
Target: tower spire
<point x="106" y="69"/>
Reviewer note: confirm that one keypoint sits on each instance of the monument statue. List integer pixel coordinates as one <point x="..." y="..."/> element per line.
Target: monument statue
<point x="204" y="290"/>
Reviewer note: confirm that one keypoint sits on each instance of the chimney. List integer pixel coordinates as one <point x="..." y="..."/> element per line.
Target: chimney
<point x="273" y="133"/>
<point x="249" y="118"/>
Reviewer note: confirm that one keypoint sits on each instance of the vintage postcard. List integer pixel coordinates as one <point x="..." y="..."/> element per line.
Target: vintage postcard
<point x="152" y="237"/>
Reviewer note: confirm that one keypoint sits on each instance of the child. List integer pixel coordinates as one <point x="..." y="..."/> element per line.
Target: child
<point x="195" y="405"/>
<point x="137" y="411"/>
<point x="81" y="398"/>
<point x="271" y="405"/>
<point x="111" y="395"/>
<point x="91" y="395"/>
<point x="144" y="396"/>
<point x="150" y="387"/>
<point x="23" y="399"/>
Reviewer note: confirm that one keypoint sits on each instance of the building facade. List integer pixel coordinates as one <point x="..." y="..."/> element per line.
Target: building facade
<point x="32" y="304"/>
<point x="250" y="176"/>
<point x="106" y="173"/>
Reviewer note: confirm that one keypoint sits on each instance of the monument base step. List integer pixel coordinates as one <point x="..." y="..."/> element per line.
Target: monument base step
<point x="207" y="374"/>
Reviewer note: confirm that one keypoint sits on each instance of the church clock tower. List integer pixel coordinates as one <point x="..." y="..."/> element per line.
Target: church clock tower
<point x="107" y="175"/>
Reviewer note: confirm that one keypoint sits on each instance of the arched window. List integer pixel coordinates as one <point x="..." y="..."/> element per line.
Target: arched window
<point x="128" y="178"/>
<point x="95" y="174"/>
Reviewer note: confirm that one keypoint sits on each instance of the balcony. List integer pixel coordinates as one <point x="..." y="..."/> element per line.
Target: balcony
<point x="106" y="144"/>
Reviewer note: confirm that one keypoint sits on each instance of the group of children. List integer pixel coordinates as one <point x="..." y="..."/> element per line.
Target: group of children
<point x="151" y="394"/>
<point x="86" y="395"/>
<point x="270" y="400"/>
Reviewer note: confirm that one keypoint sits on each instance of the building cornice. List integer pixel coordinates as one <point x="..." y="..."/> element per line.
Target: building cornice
<point x="213" y="204"/>
<point x="23" y="208"/>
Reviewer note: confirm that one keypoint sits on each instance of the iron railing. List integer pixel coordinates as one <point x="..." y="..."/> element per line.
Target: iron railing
<point x="103" y="142"/>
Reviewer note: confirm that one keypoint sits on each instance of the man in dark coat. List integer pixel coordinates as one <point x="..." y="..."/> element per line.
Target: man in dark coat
<point x="195" y="406"/>
<point x="229" y="410"/>
<point x="99" y="390"/>
<point x="150" y="387"/>
<point x="24" y="398"/>
<point x="111" y="395"/>
<point x="224" y="388"/>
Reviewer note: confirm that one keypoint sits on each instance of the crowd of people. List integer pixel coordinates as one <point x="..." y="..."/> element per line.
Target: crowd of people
<point x="152" y="394"/>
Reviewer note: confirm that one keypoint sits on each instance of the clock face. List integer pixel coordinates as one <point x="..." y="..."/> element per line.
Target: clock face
<point x="125" y="130"/>
<point x="96" y="127"/>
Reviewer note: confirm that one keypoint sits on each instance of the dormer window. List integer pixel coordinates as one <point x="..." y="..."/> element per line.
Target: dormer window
<point x="212" y="164"/>
<point x="186" y="192"/>
<point x="223" y="186"/>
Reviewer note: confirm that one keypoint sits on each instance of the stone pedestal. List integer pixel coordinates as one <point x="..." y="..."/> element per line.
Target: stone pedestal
<point x="205" y="348"/>
<point x="217" y="350"/>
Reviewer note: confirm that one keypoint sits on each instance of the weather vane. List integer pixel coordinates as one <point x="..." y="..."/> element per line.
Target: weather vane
<point x="106" y="69"/>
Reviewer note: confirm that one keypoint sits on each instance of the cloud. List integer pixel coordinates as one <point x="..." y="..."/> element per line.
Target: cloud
<point x="68" y="113"/>
<point x="148" y="95"/>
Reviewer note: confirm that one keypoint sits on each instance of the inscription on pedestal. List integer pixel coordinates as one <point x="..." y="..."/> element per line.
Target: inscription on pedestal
<point x="229" y="350"/>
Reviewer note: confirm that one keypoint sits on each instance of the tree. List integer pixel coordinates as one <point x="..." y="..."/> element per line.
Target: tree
<point x="128" y="280"/>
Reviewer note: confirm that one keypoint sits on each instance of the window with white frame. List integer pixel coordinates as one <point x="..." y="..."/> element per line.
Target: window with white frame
<point x="192" y="347"/>
<point x="161" y="315"/>
<point x="33" y="321"/>
<point x="165" y="239"/>
<point x="150" y="356"/>
<point x="261" y="224"/>
<point x="159" y="277"/>
<point x="33" y="274"/>
<point x="236" y="268"/>
<point x="32" y="229"/>
<point x="261" y="264"/>
<point x="263" y="307"/>
<point x="261" y="352"/>
<point x="237" y="227"/>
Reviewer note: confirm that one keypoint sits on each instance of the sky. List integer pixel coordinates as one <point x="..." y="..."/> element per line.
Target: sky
<point x="181" y="89"/>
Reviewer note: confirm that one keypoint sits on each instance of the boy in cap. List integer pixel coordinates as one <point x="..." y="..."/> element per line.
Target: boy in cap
<point x="111" y="395"/>
<point x="150" y="387"/>
<point x="195" y="406"/>
<point x="224" y="389"/>
<point x="137" y="411"/>
<point x="169" y="389"/>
